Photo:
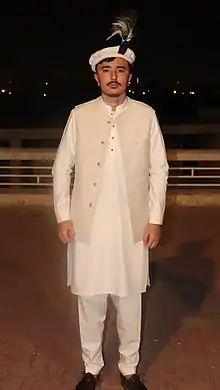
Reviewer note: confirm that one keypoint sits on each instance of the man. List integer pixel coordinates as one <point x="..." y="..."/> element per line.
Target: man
<point x="115" y="211"/>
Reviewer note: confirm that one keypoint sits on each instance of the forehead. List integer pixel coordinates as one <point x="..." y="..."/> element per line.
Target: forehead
<point x="117" y="62"/>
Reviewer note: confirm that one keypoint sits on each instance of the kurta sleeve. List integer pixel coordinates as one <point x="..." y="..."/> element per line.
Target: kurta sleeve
<point x="61" y="170"/>
<point x="158" y="173"/>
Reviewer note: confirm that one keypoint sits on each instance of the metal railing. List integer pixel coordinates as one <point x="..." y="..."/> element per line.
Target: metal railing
<point x="194" y="168"/>
<point x="31" y="168"/>
<point x="17" y="136"/>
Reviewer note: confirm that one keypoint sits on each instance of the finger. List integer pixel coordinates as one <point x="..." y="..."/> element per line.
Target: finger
<point x="149" y="240"/>
<point x="70" y="234"/>
<point x="63" y="237"/>
<point x="154" y="244"/>
<point x="150" y="245"/>
<point x="146" y="238"/>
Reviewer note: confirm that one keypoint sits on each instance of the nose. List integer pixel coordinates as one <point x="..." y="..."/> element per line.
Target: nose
<point x="113" y="74"/>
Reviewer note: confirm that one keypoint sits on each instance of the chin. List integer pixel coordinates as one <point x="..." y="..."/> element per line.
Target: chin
<point x="114" y="93"/>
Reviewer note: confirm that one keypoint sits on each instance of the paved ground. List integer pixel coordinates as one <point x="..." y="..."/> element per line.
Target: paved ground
<point x="39" y="344"/>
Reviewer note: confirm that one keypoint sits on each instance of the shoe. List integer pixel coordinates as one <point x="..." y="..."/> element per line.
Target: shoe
<point x="87" y="382"/>
<point x="134" y="382"/>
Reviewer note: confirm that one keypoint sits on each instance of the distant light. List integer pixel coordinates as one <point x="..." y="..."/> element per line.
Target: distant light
<point x="182" y="93"/>
<point x="10" y="82"/>
<point x="9" y="93"/>
<point x="178" y="82"/>
<point x="137" y="80"/>
<point x="129" y="90"/>
<point x="132" y="91"/>
<point x="3" y="90"/>
<point x="46" y="83"/>
<point x="174" y="92"/>
<point x="144" y="93"/>
<point x="45" y="94"/>
<point x="192" y="93"/>
<point x="148" y="90"/>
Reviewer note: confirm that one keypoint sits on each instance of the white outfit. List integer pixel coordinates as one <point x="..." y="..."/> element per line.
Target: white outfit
<point x="109" y="263"/>
<point x="116" y="257"/>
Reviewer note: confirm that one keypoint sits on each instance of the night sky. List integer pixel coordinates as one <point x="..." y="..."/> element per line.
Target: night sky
<point x="54" y="41"/>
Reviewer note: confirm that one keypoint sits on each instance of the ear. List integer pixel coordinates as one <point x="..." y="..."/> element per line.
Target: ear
<point x="129" y="78"/>
<point x="96" y="78"/>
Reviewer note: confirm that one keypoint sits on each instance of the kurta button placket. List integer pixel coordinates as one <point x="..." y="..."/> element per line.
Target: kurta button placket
<point x="90" y="204"/>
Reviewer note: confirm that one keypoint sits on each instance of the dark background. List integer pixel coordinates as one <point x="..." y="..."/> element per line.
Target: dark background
<point x="51" y="42"/>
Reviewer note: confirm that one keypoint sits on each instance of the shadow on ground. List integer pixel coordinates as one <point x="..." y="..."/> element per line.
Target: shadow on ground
<point x="179" y="286"/>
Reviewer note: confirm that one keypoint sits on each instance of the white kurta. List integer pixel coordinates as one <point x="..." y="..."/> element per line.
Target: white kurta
<point x="111" y="263"/>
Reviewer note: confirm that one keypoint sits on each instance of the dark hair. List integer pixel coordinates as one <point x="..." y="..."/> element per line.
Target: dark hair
<point x="110" y="59"/>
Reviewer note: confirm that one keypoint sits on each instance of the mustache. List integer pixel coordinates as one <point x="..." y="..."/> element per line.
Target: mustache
<point x="114" y="82"/>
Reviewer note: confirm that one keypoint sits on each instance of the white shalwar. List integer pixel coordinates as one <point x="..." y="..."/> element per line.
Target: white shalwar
<point x="111" y="263"/>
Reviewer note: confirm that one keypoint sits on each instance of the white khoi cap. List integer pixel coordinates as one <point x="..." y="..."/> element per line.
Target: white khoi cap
<point x="110" y="52"/>
<point x="123" y="27"/>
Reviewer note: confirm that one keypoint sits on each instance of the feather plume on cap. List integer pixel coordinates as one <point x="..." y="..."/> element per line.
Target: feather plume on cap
<point x="124" y="26"/>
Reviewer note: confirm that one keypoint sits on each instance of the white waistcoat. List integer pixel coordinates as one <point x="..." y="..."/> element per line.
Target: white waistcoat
<point x="111" y="263"/>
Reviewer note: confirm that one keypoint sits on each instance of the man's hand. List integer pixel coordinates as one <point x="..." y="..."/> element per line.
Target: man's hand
<point x="152" y="235"/>
<point x="66" y="231"/>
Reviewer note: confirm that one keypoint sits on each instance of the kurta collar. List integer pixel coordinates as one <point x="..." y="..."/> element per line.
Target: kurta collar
<point x="119" y="109"/>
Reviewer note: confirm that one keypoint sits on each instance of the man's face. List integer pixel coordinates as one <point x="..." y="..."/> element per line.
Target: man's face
<point x="113" y="77"/>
